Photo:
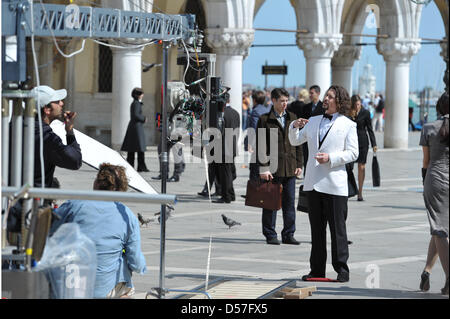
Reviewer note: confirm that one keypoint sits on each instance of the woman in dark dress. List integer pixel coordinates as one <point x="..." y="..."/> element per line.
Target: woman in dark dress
<point x="134" y="140"/>
<point x="363" y="126"/>
<point x="435" y="173"/>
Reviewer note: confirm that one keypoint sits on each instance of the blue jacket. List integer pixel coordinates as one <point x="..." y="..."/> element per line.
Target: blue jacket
<point x="115" y="231"/>
<point x="257" y="111"/>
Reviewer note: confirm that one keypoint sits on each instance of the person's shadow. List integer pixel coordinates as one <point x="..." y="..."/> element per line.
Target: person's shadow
<point x="374" y="293"/>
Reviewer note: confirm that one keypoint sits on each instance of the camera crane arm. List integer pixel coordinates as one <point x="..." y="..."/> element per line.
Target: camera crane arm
<point x="53" y="20"/>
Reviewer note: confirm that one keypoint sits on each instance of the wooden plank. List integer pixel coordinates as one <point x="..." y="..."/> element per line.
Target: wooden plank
<point x="298" y="293"/>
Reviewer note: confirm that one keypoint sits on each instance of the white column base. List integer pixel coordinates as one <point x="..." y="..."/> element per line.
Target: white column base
<point x="396" y="105"/>
<point x="318" y="72"/>
<point x="342" y="75"/>
<point x="229" y="69"/>
<point x="126" y="76"/>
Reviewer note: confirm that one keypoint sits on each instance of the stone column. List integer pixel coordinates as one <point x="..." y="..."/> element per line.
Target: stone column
<point x="318" y="50"/>
<point x="231" y="47"/>
<point x="397" y="54"/>
<point x="342" y="65"/>
<point x="47" y="61"/>
<point x="127" y="75"/>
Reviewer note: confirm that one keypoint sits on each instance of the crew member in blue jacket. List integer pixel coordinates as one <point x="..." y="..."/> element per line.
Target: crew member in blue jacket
<point x="114" y="229"/>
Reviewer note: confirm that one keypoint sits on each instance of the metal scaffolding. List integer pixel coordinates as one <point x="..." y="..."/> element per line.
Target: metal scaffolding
<point x="23" y="18"/>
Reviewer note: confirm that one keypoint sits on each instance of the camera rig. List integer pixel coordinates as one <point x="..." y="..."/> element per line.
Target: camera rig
<point x="199" y="104"/>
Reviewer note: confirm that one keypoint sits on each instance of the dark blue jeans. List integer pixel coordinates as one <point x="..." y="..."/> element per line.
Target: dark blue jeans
<point x="269" y="217"/>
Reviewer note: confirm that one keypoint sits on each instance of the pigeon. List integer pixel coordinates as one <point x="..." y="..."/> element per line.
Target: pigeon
<point x="229" y="222"/>
<point x="144" y="221"/>
<point x="169" y="208"/>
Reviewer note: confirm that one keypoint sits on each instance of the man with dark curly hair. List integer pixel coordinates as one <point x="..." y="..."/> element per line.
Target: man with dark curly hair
<point x="332" y="142"/>
<point x="115" y="231"/>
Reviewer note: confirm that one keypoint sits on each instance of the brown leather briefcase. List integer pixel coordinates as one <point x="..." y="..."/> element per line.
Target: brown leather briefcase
<point x="263" y="194"/>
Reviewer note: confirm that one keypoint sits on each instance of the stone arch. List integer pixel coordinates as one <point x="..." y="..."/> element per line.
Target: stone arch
<point x="319" y="17"/>
<point x="442" y="6"/>
<point x="233" y="14"/>
<point x="399" y="19"/>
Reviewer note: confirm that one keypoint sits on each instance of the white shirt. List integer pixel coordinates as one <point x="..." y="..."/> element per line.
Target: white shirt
<point x="325" y="125"/>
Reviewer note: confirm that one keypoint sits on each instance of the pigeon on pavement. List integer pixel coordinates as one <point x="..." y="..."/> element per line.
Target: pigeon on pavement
<point x="169" y="208"/>
<point x="229" y="222"/>
<point x="144" y="221"/>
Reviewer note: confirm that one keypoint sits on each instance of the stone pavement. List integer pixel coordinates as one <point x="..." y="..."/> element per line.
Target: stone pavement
<point x="389" y="231"/>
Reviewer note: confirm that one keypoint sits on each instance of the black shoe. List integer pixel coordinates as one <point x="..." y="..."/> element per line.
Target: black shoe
<point x="425" y="281"/>
<point x="174" y="178"/>
<point x="444" y="290"/>
<point x="221" y="201"/>
<point x="203" y="193"/>
<point x="360" y="199"/>
<point x="273" y="241"/>
<point x="311" y="275"/>
<point x="290" y="241"/>
<point x="343" y="276"/>
<point x="157" y="177"/>
<point x="143" y="169"/>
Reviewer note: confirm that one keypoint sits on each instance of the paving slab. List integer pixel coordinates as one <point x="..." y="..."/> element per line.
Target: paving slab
<point x="389" y="231"/>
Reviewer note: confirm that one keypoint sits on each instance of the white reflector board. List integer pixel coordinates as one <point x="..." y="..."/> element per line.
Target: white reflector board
<point x="95" y="153"/>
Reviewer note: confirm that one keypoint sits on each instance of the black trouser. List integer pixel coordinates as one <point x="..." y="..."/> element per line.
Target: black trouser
<point x="213" y="179"/>
<point x="179" y="164"/>
<point x="269" y="217"/>
<point x="254" y="171"/>
<point x="305" y="157"/>
<point x="141" y="159"/>
<point x="331" y="209"/>
<point x="226" y="173"/>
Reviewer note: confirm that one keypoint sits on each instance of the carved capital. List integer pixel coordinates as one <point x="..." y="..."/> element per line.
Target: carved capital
<point x="398" y="50"/>
<point x="346" y="55"/>
<point x="230" y="41"/>
<point x="319" y="45"/>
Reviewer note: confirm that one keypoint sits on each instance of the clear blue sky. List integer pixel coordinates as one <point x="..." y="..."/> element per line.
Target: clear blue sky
<point x="427" y="67"/>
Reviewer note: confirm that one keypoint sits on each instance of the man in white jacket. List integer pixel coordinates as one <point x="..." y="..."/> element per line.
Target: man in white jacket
<point x="332" y="142"/>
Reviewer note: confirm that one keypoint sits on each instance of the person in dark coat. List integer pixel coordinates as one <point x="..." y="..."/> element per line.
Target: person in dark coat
<point x="363" y="126"/>
<point x="281" y="167"/>
<point x="226" y="169"/>
<point x="298" y="105"/>
<point x="134" y="140"/>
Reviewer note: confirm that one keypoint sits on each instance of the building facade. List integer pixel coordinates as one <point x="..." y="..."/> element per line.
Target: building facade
<point x="100" y="79"/>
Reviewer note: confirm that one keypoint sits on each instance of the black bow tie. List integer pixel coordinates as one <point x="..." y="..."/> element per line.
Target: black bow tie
<point x="327" y="116"/>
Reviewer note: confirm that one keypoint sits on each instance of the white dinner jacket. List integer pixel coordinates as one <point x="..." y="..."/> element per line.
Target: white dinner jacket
<point x="341" y="144"/>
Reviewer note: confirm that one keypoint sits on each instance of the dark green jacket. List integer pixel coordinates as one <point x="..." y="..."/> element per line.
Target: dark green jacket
<point x="289" y="157"/>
